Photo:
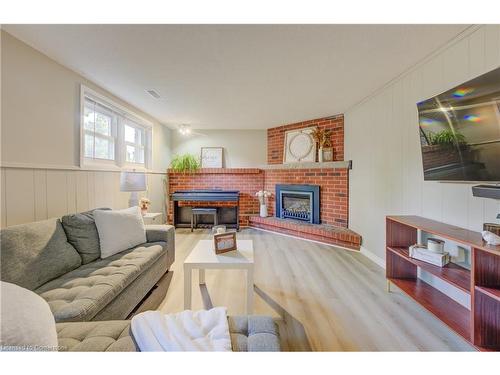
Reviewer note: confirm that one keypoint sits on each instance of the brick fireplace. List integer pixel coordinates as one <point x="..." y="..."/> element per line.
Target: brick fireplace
<point x="297" y="202"/>
<point x="330" y="179"/>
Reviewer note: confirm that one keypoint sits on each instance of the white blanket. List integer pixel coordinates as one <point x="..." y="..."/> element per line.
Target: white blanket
<point x="185" y="331"/>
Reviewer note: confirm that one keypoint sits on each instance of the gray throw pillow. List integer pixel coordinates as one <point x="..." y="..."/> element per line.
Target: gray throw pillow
<point x="35" y="253"/>
<point x="82" y="234"/>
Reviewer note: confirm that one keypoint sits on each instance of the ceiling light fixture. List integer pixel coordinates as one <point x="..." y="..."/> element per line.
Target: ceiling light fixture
<point x="184" y="129"/>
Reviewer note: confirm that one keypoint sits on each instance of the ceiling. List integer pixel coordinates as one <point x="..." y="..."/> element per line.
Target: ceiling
<point x="238" y="76"/>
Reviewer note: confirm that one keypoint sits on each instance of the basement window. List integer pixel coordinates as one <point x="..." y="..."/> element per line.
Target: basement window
<point x="111" y="135"/>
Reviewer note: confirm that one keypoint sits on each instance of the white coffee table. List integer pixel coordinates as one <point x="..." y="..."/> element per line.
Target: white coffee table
<point x="203" y="257"/>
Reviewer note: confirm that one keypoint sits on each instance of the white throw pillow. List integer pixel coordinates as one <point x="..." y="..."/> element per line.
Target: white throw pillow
<point x="26" y="320"/>
<point x="119" y="230"/>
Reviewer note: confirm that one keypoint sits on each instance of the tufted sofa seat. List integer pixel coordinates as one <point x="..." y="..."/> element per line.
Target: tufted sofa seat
<point x="248" y="334"/>
<point x="80" y="294"/>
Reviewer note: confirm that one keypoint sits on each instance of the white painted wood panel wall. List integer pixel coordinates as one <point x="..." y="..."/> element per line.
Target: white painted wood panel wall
<point x="381" y="137"/>
<point x="29" y="194"/>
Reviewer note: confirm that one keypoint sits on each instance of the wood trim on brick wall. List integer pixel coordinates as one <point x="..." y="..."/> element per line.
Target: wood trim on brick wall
<point x="221" y="171"/>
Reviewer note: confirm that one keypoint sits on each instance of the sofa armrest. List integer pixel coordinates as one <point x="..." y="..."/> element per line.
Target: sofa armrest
<point x="162" y="233"/>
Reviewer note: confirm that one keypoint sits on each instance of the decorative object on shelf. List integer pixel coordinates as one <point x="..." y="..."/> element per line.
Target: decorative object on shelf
<point x="490" y="238"/>
<point x="322" y="137"/>
<point x="144" y="204"/>
<point x="185" y="163"/>
<point x="299" y="146"/>
<point x="263" y="196"/>
<point x="327" y="154"/>
<point x="492" y="227"/>
<point x="422" y="253"/>
<point x="224" y="242"/>
<point x="435" y="245"/>
<point x="133" y="182"/>
<point x="211" y="157"/>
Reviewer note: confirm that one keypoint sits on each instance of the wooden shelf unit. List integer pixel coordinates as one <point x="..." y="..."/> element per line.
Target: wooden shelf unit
<point x="480" y="325"/>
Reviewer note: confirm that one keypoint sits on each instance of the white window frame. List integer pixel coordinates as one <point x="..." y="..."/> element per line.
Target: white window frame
<point x="122" y="114"/>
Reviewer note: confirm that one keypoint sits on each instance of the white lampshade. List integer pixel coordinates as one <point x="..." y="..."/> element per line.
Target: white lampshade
<point x="133" y="181"/>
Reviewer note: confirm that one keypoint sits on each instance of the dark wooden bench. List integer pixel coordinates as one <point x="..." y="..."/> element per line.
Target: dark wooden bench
<point x="195" y="211"/>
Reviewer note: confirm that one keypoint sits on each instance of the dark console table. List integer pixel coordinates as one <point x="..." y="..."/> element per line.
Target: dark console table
<point x="228" y="215"/>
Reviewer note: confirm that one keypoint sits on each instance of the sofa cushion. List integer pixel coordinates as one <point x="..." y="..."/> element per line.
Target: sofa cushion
<point x="254" y="333"/>
<point x="109" y="336"/>
<point x="35" y="253"/>
<point x="82" y="234"/>
<point x="80" y="294"/>
<point x="119" y="230"/>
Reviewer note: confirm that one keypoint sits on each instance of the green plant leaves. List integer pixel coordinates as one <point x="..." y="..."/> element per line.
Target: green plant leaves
<point x="185" y="163"/>
<point x="446" y="138"/>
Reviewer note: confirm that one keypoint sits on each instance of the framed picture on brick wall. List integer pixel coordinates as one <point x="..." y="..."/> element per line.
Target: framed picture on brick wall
<point x="212" y="157"/>
<point x="299" y="146"/>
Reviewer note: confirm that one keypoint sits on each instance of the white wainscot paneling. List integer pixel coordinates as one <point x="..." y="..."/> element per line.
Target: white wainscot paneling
<point x="57" y="192"/>
<point x="19" y="196"/>
<point x="30" y="194"/>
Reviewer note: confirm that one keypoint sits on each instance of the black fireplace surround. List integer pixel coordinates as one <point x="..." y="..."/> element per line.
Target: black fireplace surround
<point x="298" y="202"/>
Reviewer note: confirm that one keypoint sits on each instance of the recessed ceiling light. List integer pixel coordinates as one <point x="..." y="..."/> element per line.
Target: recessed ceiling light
<point x="154" y="94"/>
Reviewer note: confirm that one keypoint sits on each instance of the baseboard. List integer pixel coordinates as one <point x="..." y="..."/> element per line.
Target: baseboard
<point x="304" y="239"/>
<point x="374" y="258"/>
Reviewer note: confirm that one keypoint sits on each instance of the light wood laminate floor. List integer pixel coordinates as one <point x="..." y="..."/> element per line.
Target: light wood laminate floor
<point x="323" y="298"/>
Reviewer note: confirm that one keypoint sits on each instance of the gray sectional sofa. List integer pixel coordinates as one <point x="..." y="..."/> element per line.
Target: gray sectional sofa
<point x="59" y="259"/>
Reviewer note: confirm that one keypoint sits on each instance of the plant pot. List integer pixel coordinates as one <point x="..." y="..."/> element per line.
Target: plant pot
<point x="263" y="210"/>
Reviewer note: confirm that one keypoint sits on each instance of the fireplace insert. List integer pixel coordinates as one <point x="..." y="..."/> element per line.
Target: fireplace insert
<point x="298" y="202"/>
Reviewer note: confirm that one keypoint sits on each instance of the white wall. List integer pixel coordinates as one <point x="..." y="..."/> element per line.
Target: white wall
<point x="40" y="133"/>
<point x="242" y="148"/>
<point x="381" y="137"/>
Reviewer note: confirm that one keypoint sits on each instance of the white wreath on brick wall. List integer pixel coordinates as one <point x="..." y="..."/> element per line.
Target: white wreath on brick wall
<point x="299" y="146"/>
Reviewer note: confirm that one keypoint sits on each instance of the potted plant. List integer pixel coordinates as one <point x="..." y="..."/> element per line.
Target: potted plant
<point x="263" y="195"/>
<point x="185" y="163"/>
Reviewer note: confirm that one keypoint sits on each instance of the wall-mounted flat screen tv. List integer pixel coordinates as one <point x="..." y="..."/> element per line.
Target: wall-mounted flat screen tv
<point x="460" y="131"/>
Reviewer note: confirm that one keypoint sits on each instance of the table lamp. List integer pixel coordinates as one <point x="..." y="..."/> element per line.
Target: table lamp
<point x="133" y="182"/>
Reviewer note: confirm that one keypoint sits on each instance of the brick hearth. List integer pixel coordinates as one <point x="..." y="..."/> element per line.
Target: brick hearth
<point x="322" y="232"/>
